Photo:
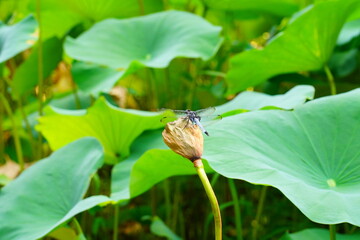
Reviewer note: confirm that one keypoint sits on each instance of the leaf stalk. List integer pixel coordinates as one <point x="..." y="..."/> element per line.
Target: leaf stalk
<point x="212" y="197"/>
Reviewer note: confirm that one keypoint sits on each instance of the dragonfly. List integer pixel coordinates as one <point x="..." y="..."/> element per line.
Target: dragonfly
<point x="195" y="117"/>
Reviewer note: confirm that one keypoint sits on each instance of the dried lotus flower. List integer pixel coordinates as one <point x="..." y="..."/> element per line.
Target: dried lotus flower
<point x="184" y="138"/>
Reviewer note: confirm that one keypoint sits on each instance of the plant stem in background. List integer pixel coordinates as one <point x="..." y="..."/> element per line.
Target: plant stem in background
<point x="141" y="7"/>
<point x="152" y="98"/>
<point x="40" y="71"/>
<point x="212" y="197"/>
<point x="331" y="80"/>
<point x="214" y="179"/>
<point x="332" y="229"/>
<point x="259" y="212"/>
<point x="153" y="200"/>
<point x="167" y="200"/>
<point x="28" y="127"/>
<point x="2" y="137"/>
<point x="176" y="208"/>
<point x="78" y="228"/>
<point x="116" y="222"/>
<point x="193" y="66"/>
<point x="235" y="198"/>
<point x="76" y="96"/>
<point x="17" y="142"/>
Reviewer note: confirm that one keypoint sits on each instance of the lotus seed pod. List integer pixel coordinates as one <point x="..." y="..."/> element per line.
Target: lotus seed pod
<point x="184" y="138"/>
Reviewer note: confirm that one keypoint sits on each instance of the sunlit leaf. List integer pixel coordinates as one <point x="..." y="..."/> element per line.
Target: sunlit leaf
<point x="255" y="100"/>
<point x="50" y="192"/>
<point x="306" y="44"/>
<point x="59" y="17"/>
<point x="318" y="234"/>
<point x="4" y="180"/>
<point x="115" y="128"/>
<point x="277" y="7"/>
<point x="152" y="40"/>
<point x="17" y="38"/>
<point x="311" y="154"/>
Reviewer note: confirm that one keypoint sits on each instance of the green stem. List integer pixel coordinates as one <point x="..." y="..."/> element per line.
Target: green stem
<point x="259" y="212"/>
<point x="192" y="91"/>
<point x="141" y="7"/>
<point x="212" y="197"/>
<point x="153" y="200"/>
<point x="168" y="88"/>
<point x="76" y="96"/>
<point x="235" y="198"/>
<point x="18" y="149"/>
<point x="330" y="79"/>
<point x="214" y="179"/>
<point x="332" y="229"/>
<point x="2" y="137"/>
<point x="40" y="71"/>
<point x="77" y="226"/>
<point x="167" y="200"/>
<point x="153" y="88"/>
<point x="116" y="222"/>
<point x="27" y="125"/>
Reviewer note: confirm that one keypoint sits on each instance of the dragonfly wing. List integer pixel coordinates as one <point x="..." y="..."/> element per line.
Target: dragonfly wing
<point x="205" y="111"/>
<point x="209" y="120"/>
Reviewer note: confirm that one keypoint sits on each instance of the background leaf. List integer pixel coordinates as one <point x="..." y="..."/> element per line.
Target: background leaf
<point x="93" y="79"/>
<point x="319" y="234"/>
<point x="277" y="7"/>
<point x="115" y="128"/>
<point x="310" y="154"/>
<point x="256" y="100"/>
<point x="152" y="40"/>
<point x="26" y="77"/>
<point x="52" y="188"/>
<point x="17" y="38"/>
<point x="306" y="44"/>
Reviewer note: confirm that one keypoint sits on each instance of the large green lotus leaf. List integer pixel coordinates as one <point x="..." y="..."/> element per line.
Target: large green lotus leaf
<point x="276" y="7"/>
<point x="115" y="128"/>
<point x="318" y="234"/>
<point x="17" y="38"/>
<point x="311" y="154"/>
<point x="152" y="40"/>
<point x="255" y="100"/>
<point x="98" y="10"/>
<point x="94" y="79"/>
<point x="58" y="17"/>
<point x="26" y="76"/>
<point x="350" y="31"/>
<point x="50" y="192"/>
<point x="306" y="44"/>
<point x="150" y="162"/>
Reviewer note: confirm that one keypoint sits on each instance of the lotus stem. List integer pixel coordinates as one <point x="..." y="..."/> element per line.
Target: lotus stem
<point x="237" y="211"/>
<point x="18" y="149"/>
<point x="331" y="80"/>
<point x="332" y="229"/>
<point x="40" y="72"/>
<point x="259" y="212"/>
<point x="212" y="197"/>
<point x="116" y="222"/>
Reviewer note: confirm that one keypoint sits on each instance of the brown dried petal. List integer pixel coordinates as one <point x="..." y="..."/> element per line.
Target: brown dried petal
<point x="184" y="138"/>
